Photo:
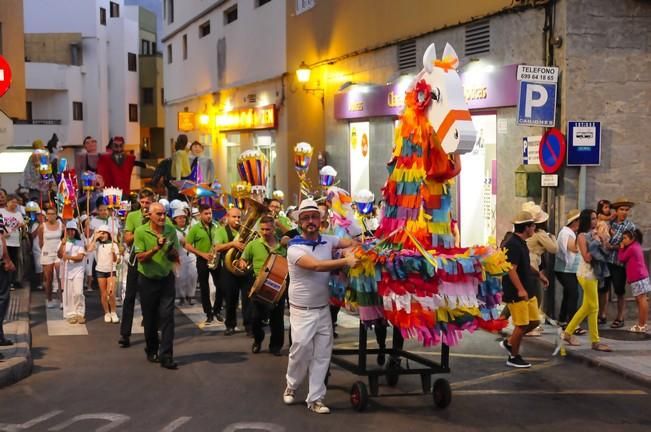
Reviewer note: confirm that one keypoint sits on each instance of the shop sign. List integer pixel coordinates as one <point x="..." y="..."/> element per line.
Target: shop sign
<point x="490" y="89"/>
<point x="248" y="119"/>
<point x="185" y="121"/>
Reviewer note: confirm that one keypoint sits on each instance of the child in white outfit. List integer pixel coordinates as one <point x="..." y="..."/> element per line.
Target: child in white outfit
<point x="107" y="253"/>
<point x="72" y="254"/>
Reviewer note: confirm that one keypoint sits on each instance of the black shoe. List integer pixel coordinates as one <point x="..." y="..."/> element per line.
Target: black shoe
<point x="517" y="362"/>
<point x="168" y="363"/>
<point x="229" y="332"/>
<point x="255" y="348"/>
<point x="189" y="300"/>
<point x="275" y="351"/>
<point x="505" y="345"/>
<point x="335" y="334"/>
<point x="124" y="342"/>
<point x="381" y="358"/>
<point x="209" y="319"/>
<point x="181" y="302"/>
<point x="219" y="317"/>
<point x="6" y="342"/>
<point x="153" y="358"/>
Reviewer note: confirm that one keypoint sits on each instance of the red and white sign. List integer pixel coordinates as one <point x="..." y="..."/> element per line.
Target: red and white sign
<point x="5" y="76"/>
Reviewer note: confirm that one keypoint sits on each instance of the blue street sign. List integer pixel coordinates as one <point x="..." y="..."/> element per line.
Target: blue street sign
<point x="537" y="104"/>
<point x="552" y="151"/>
<point x="583" y="143"/>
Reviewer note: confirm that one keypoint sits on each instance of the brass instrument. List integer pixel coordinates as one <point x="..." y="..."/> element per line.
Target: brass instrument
<point x="247" y="232"/>
<point x="214" y="259"/>
<point x="283" y="223"/>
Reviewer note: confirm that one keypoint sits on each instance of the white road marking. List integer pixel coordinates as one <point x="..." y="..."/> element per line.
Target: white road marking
<point x="114" y="419"/>
<point x="196" y="315"/>
<point x="269" y="427"/>
<point x="58" y="326"/>
<point x="176" y="424"/>
<point x="604" y="392"/>
<point x="4" y="427"/>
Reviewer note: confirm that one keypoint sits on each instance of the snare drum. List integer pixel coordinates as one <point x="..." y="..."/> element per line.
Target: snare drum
<point x="271" y="283"/>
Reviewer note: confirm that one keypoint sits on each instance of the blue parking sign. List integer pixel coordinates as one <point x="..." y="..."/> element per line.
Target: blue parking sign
<point x="537" y="104"/>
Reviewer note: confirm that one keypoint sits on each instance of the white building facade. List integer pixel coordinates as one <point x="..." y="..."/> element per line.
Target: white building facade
<point x="225" y="62"/>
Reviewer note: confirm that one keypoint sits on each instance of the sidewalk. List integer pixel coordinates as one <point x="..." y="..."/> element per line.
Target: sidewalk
<point x="17" y="361"/>
<point x="630" y="358"/>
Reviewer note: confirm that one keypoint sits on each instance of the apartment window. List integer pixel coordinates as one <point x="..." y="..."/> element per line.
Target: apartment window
<point x="28" y="111"/>
<point x="169" y="53"/>
<point x="204" y="29"/>
<point x="259" y="3"/>
<point x="115" y="9"/>
<point x="133" y="112"/>
<point x="77" y="111"/>
<point x="304" y="5"/>
<point x="102" y="16"/>
<point x="153" y="47"/>
<point x="145" y="47"/>
<point x="230" y="14"/>
<point x="132" y="62"/>
<point x="75" y="55"/>
<point x="169" y="11"/>
<point x="185" y="47"/>
<point x="147" y="96"/>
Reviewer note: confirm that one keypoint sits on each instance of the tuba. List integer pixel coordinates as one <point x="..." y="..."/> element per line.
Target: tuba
<point x="247" y="232"/>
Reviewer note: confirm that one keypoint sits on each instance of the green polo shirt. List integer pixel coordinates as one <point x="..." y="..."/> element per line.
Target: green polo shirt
<point x="256" y="251"/>
<point x="145" y="239"/>
<point x="200" y="238"/>
<point x="134" y="220"/>
<point x="221" y="236"/>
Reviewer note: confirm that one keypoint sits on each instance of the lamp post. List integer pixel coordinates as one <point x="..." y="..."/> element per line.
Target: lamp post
<point x="303" y="74"/>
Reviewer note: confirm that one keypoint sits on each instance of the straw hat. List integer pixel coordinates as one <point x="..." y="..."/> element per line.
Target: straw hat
<point x="572" y="215"/>
<point x="622" y="202"/>
<point x="522" y="217"/>
<point x="307" y="205"/>
<point x="539" y="216"/>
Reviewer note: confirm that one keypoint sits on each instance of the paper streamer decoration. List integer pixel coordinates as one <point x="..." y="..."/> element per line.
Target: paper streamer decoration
<point x="88" y="181"/>
<point x="253" y="167"/>
<point x="112" y="197"/>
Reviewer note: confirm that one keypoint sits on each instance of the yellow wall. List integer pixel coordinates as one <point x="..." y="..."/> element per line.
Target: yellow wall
<point x="13" y="50"/>
<point x="335" y="28"/>
<point x="51" y="47"/>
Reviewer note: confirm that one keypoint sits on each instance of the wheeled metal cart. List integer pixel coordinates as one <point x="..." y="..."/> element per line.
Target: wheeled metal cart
<point x="414" y="365"/>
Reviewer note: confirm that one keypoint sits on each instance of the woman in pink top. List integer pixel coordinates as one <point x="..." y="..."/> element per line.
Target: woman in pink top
<point x="637" y="275"/>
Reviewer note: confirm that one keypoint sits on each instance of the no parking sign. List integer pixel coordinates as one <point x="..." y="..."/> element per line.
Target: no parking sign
<point x="552" y="151"/>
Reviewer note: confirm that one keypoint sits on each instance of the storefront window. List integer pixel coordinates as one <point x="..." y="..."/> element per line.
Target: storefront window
<point x="232" y="154"/>
<point x="266" y="143"/>
<point x="359" y="148"/>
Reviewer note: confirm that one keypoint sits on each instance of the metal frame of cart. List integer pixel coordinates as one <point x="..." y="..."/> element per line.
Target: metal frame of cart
<point x="360" y="393"/>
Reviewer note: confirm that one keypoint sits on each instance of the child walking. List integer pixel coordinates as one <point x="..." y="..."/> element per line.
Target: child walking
<point x="72" y="254"/>
<point x="637" y="275"/>
<point x="107" y="253"/>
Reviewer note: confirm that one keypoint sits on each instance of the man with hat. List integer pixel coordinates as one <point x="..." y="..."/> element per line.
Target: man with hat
<point x="566" y="265"/>
<point x="519" y="288"/>
<point x="310" y="262"/>
<point x="618" y="227"/>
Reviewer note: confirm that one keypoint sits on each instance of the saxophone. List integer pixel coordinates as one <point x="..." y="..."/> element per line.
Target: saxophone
<point x="214" y="259"/>
<point x="247" y="232"/>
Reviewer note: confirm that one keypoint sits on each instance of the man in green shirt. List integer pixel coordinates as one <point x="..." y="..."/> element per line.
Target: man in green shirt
<point x="256" y="253"/>
<point x="156" y="247"/>
<point x="200" y="241"/>
<point x="134" y="220"/>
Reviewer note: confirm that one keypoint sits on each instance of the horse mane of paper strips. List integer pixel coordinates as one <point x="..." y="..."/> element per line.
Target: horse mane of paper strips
<point x="412" y="275"/>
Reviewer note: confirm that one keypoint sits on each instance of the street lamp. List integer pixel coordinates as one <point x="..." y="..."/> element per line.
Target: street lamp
<point x="303" y="73"/>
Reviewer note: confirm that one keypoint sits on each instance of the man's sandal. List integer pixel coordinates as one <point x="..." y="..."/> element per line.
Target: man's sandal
<point x="570" y="339"/>
<point x="598" y="346"/>
<point x="617" y="324"/>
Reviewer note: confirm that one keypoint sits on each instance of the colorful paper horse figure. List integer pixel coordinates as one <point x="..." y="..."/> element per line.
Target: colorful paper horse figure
<point x="412" y="276"/>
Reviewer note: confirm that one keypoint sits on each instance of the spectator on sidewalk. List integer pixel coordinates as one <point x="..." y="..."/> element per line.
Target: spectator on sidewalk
<point x="618" y="227"/>
<point x="539" y="243"/>
<point x="637" y="275"/>
<point x="604" y="217"/>
<point x="519" y="288"/>
<point x="566" y="264"/>
<point x="586" y="240"/>
<point x="6" y="267"/>
<point x="14" y="223"/>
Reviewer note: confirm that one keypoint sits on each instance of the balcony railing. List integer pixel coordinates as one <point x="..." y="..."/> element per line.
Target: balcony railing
<point x="38" y="122"/>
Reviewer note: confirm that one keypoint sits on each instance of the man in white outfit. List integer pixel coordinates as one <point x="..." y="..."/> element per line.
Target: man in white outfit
<point x="310" y="263"/>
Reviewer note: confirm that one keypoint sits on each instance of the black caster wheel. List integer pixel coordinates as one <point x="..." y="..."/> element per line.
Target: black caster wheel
<point x="359" y="396"/>
<point x="393" y="372"/>
<point x="373" y="384"/>
<point x="426" y="383"/>
<point x="441" y="393"/>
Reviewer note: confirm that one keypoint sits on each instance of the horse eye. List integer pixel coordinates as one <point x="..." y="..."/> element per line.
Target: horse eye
<point x="456" y="134"/>
<point x="436" y="94"/>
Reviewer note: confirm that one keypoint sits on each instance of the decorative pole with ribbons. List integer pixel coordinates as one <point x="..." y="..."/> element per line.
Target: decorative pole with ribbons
<point x="302" y="159"/>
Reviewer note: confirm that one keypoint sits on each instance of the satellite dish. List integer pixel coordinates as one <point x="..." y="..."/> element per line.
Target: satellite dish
<point x="6" y="132"/>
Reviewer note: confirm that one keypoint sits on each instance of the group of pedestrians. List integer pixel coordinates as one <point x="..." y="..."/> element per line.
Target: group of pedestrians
<point x="596" y="250"/>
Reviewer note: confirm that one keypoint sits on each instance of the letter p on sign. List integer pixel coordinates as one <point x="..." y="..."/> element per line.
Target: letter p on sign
<point x="536" y="97"/>
<point x="537" y="104"/>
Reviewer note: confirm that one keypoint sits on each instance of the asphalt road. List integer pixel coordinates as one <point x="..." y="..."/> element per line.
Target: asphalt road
<point x="87" y="383"/>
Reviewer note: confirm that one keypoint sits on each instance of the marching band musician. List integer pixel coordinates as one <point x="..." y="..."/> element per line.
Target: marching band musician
<point x="256" y="253"/>
<point x="134" y="220"/>
<point x="201" y="240"/>
<point x="231" y="284"/>
<point x="156" y="247"/>
<point x="310" y="262"/>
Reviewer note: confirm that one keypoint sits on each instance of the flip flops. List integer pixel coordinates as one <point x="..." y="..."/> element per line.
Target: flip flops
<point x="617" y="324"/>
<point x="580" y="331"/>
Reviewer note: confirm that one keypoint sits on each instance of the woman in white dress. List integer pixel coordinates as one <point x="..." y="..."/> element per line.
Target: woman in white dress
<point x="49" y="237"/>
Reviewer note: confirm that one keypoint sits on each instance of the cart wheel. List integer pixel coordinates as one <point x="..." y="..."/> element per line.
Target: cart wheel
<point x="359" y="396"/>
<point x="393" y="372"/>
<point x="373" y="384"/>
<point x="442" y="393"/>
<point x="426" y="382"/>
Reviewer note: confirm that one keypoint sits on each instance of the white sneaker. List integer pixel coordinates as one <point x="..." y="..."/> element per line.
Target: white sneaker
<point x="318" y="407"/>
<point x="114" y="318"/>
<point x="289" y="397"/>
<point x="107" y="317"/>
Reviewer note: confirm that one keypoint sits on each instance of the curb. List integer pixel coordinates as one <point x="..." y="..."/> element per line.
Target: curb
<point x="20" y="364"/>
<point x="596" y="362"/>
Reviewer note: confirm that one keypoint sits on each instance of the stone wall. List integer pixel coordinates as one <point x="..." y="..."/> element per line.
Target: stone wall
<point x="51" y="47"/>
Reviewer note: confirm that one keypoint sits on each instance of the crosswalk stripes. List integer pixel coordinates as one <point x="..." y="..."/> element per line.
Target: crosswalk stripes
<point x="59" y="326"/>
<point x="197" y="316"/>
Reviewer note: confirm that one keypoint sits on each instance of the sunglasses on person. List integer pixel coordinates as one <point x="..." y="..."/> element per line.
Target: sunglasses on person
<point x="310" y="217"/>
